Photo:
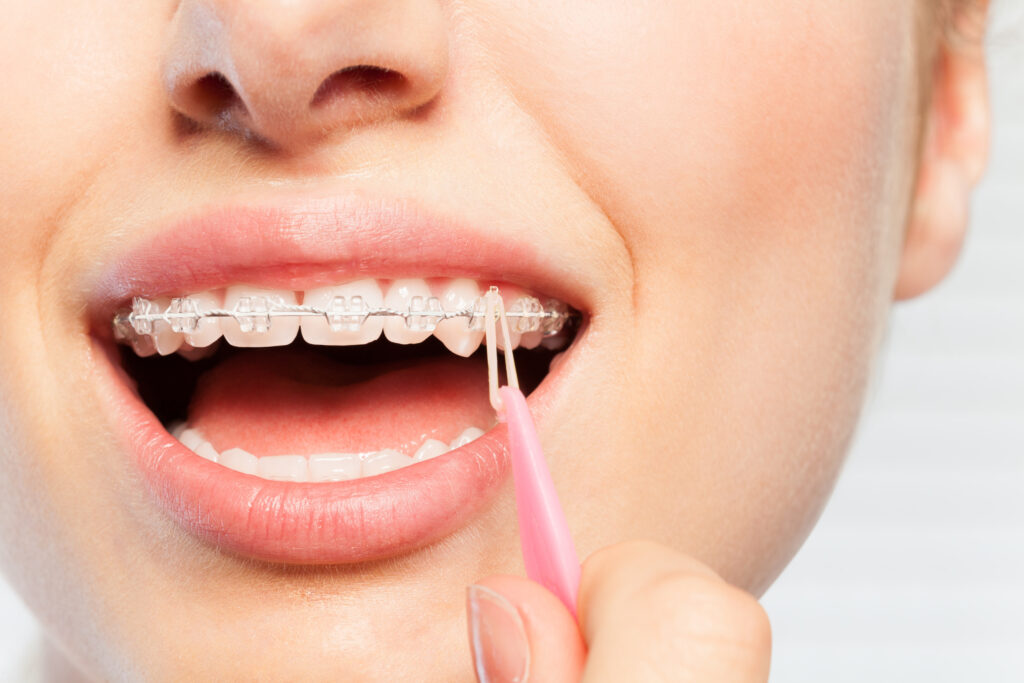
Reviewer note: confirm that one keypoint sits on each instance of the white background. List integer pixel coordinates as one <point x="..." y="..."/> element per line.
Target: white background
<point x="916" y="571"/>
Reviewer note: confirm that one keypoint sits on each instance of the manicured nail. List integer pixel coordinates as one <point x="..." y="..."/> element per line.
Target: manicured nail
<point x="501" y="651"/>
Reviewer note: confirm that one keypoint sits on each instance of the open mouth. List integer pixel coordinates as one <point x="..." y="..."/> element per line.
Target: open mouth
<point x="300" y="394"/>
<point x="330" y="384"/>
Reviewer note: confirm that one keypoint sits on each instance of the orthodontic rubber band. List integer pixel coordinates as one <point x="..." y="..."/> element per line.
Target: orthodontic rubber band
<point x="496" y="312"/>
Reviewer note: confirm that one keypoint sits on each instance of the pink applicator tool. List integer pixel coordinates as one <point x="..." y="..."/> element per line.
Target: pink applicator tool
<point x="548" y="551"/>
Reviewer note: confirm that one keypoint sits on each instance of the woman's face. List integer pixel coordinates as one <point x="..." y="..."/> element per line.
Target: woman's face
<point x="720" y="188"/>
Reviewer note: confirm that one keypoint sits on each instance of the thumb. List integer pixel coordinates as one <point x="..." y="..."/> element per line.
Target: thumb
<point x="520" y="631"/>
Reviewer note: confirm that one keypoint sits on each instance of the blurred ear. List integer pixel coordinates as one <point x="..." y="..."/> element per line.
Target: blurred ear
<point x="953" y="156"/>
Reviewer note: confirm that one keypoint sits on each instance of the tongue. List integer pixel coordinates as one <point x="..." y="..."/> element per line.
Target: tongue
<point x="292" y="402"/>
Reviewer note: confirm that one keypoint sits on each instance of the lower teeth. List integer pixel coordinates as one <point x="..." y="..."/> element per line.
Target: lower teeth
<point x="320" y="467"/>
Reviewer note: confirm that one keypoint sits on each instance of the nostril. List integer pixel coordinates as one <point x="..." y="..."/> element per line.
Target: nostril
<point x="213" y="95"/>
<point x="362" y="78"/>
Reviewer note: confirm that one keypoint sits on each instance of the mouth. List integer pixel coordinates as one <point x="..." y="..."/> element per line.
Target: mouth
<point x="328" y="410"/>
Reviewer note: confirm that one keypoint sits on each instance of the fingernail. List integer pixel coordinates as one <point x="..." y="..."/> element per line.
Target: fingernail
<point x="501" y="651"/>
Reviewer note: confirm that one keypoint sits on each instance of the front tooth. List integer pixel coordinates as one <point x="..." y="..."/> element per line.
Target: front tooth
<point x="470" y="434"/>
<point x="284" y="468"/>
<point x="531" y="340"/>
<point x="530" y="309"/>
<point x="206" y="450"/>
<point x="555" y="342"/>
<point x="499" y="340"/>
<point x="384" y="461"/>
<point x="239" y="460"/>
<point x="532" y="327"/>
<point x="514" y="335"/>
<point x="431" y="448"/>
<point x="252" y="326"/>
<point x="346" y="323"/>
<point x="334" y="466"/>
<point x="166" y="340"/>
<point x="193" y="354"/>
<point x="143" y="346"/>
<point x="139" y="331"/>
<point x="455" y="333"/>
<point x="400" y="297"/>
<point x="206" y="330"/>
<point x="190" y="438"/>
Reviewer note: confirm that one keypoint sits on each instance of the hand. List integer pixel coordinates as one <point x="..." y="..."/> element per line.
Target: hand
<point x="646" y="614"/>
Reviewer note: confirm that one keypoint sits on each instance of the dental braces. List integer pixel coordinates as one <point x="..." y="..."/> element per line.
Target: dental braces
<point x="255" y="314"/>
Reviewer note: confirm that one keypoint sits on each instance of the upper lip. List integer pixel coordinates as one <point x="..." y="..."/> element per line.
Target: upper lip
<point x="305" y="242"/>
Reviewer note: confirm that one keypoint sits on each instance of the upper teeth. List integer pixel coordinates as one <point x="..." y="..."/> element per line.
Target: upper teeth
<point x="353" y="313"/>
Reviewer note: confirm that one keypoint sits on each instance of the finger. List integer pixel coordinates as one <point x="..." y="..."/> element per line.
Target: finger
<point x="520" y="631"/>
<point x="649" y="613"/>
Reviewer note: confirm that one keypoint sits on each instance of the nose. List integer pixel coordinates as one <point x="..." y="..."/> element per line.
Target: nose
<point x="291" y="72"/>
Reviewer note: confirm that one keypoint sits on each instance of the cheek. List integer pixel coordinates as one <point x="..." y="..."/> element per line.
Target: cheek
<point x="755" y="158"/>
<point x="80" y="85"/>
<point x="741" y="115"/>
<point x="79" y="81"/>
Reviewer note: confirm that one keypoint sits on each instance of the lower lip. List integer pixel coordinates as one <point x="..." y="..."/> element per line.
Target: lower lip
<point x="305" y="523"/>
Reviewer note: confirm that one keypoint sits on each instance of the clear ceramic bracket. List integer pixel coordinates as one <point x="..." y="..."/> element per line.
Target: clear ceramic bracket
<point x="256" y="314"/>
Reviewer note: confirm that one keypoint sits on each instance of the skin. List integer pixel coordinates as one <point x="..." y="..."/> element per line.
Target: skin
<point x="749" y="186"/>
